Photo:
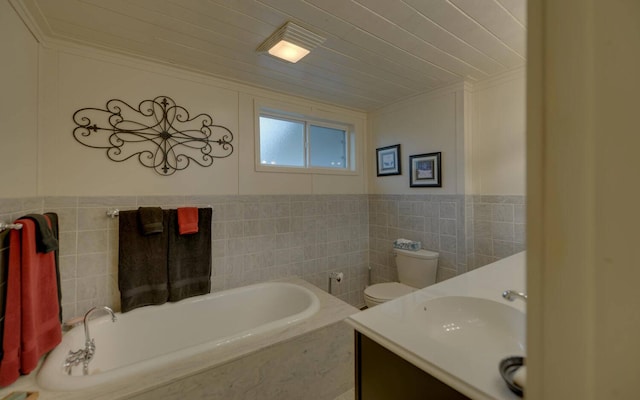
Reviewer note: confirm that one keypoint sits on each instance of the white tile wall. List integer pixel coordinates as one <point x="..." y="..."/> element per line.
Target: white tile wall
<point x="254" y="238"/>
<point x="258" y="238"/>
<point x="497" y="228"/>
<point x="437" y="221"/>
<point x="467" y="231"/>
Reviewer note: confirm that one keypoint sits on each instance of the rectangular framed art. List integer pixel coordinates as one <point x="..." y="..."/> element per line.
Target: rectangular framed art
<point x="425" y="170"/>
<point x="388" y="160"/>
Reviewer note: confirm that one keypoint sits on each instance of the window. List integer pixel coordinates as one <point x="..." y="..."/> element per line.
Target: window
<point x="299" y="142"/>
<point x="282" y="142"/>
<point x="327" y="147"/>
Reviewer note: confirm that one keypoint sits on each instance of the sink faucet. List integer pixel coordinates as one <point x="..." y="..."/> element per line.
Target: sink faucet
<point x="85" y="355"/>
<point x="512" y="294"/>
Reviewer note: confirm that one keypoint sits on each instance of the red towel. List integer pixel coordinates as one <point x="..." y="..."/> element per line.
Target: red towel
<point x="187" y="220"/>
<point x="10" y="364"/>
<point x="32" y="327"/>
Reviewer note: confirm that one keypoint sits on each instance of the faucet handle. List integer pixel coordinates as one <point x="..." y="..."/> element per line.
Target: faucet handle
<point x="90" y="350"/>
<point x="512" y="294"/>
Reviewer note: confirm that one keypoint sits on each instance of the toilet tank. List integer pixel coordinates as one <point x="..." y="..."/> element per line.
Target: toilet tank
<point x="416" y="268"/>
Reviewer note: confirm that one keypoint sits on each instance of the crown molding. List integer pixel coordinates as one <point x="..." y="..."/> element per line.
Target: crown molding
<point x="31" y="21"/>
<point x="507" y="76"/>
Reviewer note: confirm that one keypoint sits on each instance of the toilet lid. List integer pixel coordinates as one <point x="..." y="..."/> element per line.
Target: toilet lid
<point x="388" y="290"/>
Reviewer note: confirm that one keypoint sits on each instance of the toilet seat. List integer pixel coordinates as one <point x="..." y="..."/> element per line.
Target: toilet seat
<point x="381" y="292"/>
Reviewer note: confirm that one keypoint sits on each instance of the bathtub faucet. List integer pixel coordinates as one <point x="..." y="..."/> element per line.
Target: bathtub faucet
<point x="85" y="355"/>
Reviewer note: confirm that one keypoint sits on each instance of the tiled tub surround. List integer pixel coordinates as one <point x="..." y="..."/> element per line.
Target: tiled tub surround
<point x="150" y="338"/>
<point x="311" y="357"/>
<point x="255" y="238"/>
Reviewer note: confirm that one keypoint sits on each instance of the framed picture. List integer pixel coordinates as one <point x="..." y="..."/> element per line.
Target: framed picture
<point x="388" y="160"/>
<point x="425" y="170"/>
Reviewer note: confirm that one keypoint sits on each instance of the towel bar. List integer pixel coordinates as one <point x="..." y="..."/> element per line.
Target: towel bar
<point x="111" y="213"/>
<point x="4" y="226"/>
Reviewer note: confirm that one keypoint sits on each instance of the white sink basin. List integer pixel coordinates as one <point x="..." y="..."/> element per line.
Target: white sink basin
<point x="472" y="325"/>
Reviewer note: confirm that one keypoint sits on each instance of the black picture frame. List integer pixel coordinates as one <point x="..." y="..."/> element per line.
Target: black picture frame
<point x="425" y="170"/>
<point x="388" y="161"/>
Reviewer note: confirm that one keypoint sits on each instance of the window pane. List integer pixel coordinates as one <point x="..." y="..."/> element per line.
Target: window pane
<point x="328" y="147"/>
<point x="281" y="142"/>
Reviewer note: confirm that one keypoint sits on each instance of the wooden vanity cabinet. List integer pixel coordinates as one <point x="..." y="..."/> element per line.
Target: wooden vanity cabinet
<point x="383" y="375"/>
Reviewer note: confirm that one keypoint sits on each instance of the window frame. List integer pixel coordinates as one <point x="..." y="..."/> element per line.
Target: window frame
<point x="308" y="118"/>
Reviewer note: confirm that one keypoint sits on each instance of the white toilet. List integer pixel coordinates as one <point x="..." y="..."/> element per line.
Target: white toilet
<point x="416" y="270"/>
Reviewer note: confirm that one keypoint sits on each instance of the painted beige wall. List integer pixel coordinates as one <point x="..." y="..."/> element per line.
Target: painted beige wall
<point x="475" y="150"/>
<point x="48" y="83"/>
<point x="424" y="124"/>
<point x="583" y="317"/>
<point x="77" y="80"/>
<point x="18" y="106"/>
<point x="78" y="77"/>
<point x="498" y="135"/>
<point x="479" y="128"/>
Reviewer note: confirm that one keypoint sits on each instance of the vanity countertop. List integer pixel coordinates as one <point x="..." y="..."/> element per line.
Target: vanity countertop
<point x="475" y="376"/>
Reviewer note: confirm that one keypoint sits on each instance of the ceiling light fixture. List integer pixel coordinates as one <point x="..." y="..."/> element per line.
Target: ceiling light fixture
<point x="291" y="42"/>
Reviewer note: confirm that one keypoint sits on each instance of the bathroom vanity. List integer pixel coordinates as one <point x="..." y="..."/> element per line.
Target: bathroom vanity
<point x="381" y="374"/>
<point x="444" y="341"/>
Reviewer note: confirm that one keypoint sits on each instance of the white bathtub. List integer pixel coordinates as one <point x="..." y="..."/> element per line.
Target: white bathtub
<point x="150" y="338"/>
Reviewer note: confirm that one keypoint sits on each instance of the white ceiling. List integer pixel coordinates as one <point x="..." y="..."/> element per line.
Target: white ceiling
<point x="377" y="51"/>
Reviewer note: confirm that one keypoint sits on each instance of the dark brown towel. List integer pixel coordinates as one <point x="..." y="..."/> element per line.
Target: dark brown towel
<point x="142" y="263"/>
<point x="189" y="258"/>
<point x="150" y="220"/>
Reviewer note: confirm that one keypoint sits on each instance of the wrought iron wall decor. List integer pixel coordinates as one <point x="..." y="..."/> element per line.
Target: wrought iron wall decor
<point x="160" y="133"/>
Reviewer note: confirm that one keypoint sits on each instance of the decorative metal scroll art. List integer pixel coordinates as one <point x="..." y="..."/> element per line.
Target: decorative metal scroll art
<point x="159" y="133"/>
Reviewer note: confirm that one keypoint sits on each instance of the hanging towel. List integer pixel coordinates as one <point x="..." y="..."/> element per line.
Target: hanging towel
<point x="10" y="364"/>
<point x="32" y="325"/>
<point x="151" y="220"/>
<point x="188" y="220"/>
<point x="142" y="262"/>
<point x="53" y="219"/>
<point x="4" y="267"/>
<point x="45" y="240"/>
<point x="189" y="259"/>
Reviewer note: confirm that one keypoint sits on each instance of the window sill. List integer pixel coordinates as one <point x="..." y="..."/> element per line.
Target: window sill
<point x="309" y="171"/>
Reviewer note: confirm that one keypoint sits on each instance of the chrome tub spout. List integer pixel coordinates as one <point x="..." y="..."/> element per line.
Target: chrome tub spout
<point x="84" y="356"/>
